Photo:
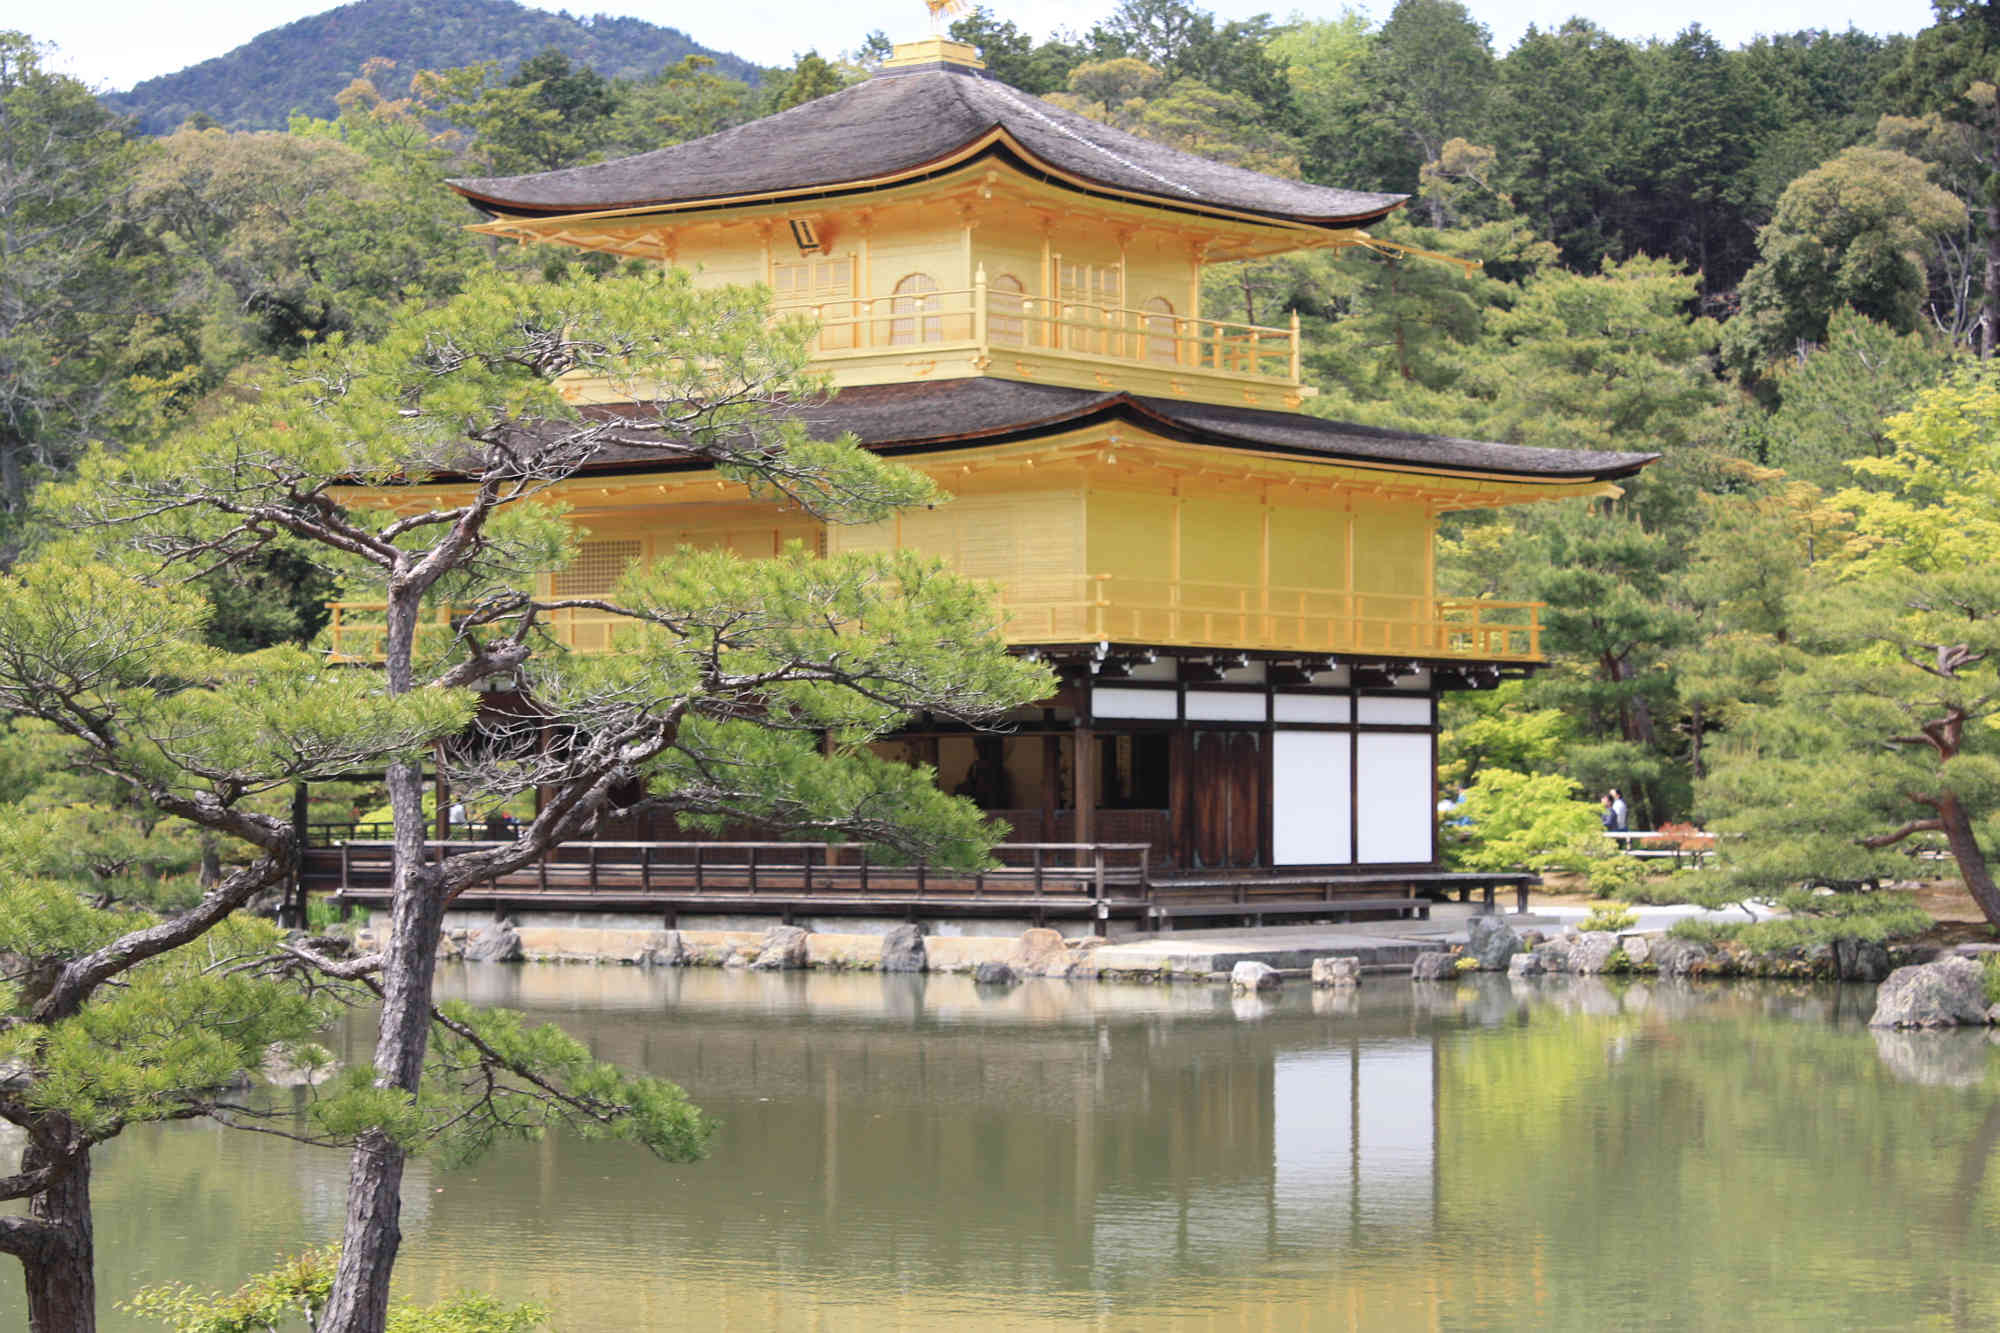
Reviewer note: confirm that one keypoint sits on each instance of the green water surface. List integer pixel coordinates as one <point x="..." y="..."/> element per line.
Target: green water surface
<point x="911" y="1152"/>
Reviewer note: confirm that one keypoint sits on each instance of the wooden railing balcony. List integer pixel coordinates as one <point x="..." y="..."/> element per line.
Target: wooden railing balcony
<point x="997" y="325"/>
<point x="1168" y="612"/>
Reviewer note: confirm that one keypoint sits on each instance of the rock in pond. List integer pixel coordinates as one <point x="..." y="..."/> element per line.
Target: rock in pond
<point x="663" y="948"/>
<point x="1673" y="957"/>
<point x="285" y="1068"/>
<point x="1434" y="967"/>
<point x="1526" y="965"/>
<point x="1554" y="955"/>
<point x="1042" y="953"/>
<point x="1492" y="941"/>
<point x="1336" y="971"/>
<point x="994" y="974"/>
<point x="1638" y="948"/>
<point x="1947" y="993"/>
<point x="784" y="950"/>
<point x="497" y="943"/>
<point x="1249" y="975"/>
<point x="903" y="949"/>
<point x="1590" y="952"/>
<point x="1860" y="960"/>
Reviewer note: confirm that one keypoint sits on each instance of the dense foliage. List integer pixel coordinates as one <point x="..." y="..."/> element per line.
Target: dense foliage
<point x="300" y="66"/>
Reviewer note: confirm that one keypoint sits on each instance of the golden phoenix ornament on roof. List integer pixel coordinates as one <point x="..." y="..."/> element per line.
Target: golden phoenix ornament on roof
<point x="942" y="9"/>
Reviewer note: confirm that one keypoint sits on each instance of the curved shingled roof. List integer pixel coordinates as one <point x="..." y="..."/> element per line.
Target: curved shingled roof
<point x="900" y="123"/>
<point x="929" y="416"/>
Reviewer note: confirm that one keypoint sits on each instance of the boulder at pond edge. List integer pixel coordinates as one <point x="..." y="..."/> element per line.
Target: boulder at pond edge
<point x="784" y="950"/>
<point x="497" y="943"/>
<point x="1947" y="993"/>
<point x="1492" y="941"/>
<point x="1336" y="971"/>
<point x="903" y="949"/>
<point x="1249" y="975"/>
<point x="1434" y="967"/>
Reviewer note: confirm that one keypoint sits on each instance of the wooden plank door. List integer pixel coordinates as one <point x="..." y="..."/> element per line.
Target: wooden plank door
<point x="1226" y="799"/>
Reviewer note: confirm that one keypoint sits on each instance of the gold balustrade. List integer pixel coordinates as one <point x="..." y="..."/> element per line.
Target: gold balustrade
<point x="995" y="323"/>
<point x="1167" y="612"/>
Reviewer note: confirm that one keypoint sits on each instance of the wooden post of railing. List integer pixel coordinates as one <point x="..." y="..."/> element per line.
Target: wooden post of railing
<point x="344" y="862"/>
<point x="1038" y="870"/>
<point x="864" y="870"/>
<point x="1295" y="347"/>
<point x="922" y="866"/>
<point x="753" y="867"/>
<point x="809" y="870"/>
<point x="646" y="868"/>
<point x="698" y="885"/>
<point x="979" y="308"/>
<point x="542" y="870"/>
<point x="1097" y="868"/>
<point x="590" y="875"/>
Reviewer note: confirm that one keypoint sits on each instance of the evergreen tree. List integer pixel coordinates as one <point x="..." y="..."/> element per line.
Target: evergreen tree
<point x="1855" y="232"/>
<point x="725" y="715"/>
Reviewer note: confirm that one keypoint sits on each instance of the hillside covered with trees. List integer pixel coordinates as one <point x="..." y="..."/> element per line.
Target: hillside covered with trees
<point x="300" y="66"/>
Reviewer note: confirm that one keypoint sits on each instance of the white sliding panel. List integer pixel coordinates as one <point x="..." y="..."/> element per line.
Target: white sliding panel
<point x="1108" y="701"/>
<point x="1312" y="708"/>
<point x="1397" y="806"/>
<point x="1224" y="706"/>
<point x="1411" y="712"/>
<point x="1312" y="812"/>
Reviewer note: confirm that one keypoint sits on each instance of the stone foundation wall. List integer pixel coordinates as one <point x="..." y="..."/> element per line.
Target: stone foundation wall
<point x="570" y="937"/>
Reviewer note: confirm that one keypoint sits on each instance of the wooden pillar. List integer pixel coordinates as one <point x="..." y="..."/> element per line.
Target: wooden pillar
<point x="1083" y="780"/>
<point x="301" y="806"/>
<point x="1180" y="782"/>
<point x="1051" y="784"/>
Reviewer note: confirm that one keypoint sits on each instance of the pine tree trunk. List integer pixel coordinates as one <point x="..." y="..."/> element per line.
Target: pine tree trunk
<point x="60" y="1273"/>
<point x="1989" y="312"/>
<point x="359" y="1300"/>
<point x="1972" y="867"/>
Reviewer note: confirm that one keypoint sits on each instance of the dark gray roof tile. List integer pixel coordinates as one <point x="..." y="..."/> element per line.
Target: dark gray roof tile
<point x="927" y="417"/>
<point x="899" y="122"/>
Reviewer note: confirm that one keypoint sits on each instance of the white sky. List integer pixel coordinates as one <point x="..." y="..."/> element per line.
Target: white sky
<point x="113" y="44"/>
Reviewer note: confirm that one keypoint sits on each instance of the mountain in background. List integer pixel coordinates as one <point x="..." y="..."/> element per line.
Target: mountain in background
<point x="301" y="66"/>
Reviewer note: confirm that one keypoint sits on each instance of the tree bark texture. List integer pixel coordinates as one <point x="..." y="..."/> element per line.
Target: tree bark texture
<point x="372" y="1234"/>
<point x="59" y="1267"/>
<point x="359" y="1302"/>
<point x="1972" y="867"/>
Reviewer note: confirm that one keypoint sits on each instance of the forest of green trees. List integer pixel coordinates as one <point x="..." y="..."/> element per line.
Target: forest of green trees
<point x="1755" y="261"/>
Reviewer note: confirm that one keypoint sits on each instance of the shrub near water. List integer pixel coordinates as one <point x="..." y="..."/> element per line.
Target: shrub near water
<point x="1816" y="919"/>
<point x="1524" y="821"/>
<point x="1609" y="917"/>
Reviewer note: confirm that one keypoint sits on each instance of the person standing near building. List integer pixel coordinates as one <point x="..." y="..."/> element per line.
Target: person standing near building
<point x="1618" y="812"/>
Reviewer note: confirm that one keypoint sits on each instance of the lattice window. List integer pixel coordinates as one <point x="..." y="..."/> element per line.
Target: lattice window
<point x="825" y="282"/>
<point x="1091" y="295"/>
<point x="1161" y="344"/>
<point x="914" y="311"/>
<point x="596" y="569"/>
<point x="1005" y="306"/>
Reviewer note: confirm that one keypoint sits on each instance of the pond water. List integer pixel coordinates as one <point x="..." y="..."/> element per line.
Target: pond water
<point x="910" y="1152"/>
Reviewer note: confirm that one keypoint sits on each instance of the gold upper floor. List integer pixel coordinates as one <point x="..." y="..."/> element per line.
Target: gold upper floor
<point x="1097" y="536"/>
<point x="982" y="271"/>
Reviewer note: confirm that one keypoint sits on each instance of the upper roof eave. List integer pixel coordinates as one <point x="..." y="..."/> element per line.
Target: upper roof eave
<point x="903" y="420"/>
<point x="900" y="126"/>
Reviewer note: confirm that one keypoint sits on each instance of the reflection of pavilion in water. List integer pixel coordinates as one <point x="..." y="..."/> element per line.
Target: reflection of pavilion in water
<point x="1085" y="1138"/>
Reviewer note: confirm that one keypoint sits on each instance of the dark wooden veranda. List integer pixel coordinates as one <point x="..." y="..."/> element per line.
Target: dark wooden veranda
<point x="1046" y="883"/>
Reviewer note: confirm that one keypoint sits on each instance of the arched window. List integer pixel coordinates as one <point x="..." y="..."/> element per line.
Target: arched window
<point x="1161" y="344"/>
<point x="914" y="312"/>
<point x="1006" y="305"/>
